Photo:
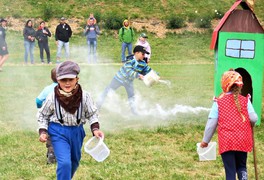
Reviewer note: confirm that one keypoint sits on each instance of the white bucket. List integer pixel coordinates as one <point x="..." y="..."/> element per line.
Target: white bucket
<point x="151" y="78"/>
<point x="208" y="153"/>
<point x="97" y="149"/>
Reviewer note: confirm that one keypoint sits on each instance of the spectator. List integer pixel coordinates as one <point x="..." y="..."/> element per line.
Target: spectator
<point x="63" y="34"/>
<point x="42" y="36"/>
<point x="126" y="35"/>
<point x="3" y="45"/>
<point x="91" y="31"/>
<point x="29" y="41"/>
<point x="142" y="41"/>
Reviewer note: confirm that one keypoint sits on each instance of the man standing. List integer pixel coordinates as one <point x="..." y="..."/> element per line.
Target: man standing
<point x="62" y="35"/>
<point x="3" y="45"/>
<point x="126" y="36"/>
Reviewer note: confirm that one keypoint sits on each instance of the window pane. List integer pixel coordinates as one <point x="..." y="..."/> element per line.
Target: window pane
<point x="248" y="45"/>
<point x="247" y="54"/>
<point x="232" y="53"/>
<point x="234" y="44"/>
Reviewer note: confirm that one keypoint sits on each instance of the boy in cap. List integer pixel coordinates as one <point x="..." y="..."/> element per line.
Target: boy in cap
<point x="63" y="34"/>
<point x="3" y="45"/>
<point x="63" y="115"/>
<point x="39" y="102"/>
<point x="134" y="68"/>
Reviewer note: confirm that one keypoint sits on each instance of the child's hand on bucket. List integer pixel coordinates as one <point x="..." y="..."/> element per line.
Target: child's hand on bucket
<point x="98" y="133"/>
<point x="203" y="144"/>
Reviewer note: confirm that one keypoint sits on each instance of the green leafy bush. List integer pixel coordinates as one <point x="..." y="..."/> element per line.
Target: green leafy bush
<point x="47" y="12"/>
<point x="113" y="21"/>
<point x="175" y="22"/>
<point x="203" y="22"/>
<point x="218" y="14"/>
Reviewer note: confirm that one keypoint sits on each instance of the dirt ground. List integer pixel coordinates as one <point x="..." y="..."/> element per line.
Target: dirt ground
<point x="154" y="26"/>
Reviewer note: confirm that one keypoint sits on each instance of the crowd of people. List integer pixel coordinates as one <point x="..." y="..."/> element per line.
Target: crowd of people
<point x="62" y="35"/>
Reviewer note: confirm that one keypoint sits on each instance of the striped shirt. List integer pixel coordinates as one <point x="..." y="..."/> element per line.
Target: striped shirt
<point x="48" y="113"/>
<point x="131" y="70"/>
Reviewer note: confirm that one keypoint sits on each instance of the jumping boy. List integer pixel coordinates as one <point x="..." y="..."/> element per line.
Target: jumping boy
<point x="63" y="115"/>
<point x="135" y="68"/>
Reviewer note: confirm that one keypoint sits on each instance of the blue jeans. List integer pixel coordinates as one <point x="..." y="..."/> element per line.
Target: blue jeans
<point x="115" y="84"/>
<point x="235" y="162"/>
<point x="129" y="48"/>
<point x="67" y="144"/>
<point x="92" y="45"/>
<point x="67" y="49"/>
<point x="29" y="49"/>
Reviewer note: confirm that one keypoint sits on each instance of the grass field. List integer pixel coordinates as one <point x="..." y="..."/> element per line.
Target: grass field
<point x="161" y="144"/>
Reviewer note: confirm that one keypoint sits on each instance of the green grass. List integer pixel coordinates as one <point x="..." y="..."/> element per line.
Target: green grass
<point x="158" y="145"/>
<point x="149" y="147"/>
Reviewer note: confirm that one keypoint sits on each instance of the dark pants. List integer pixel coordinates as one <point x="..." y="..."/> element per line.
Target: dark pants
<point x="49" y="146"/>
<point x="44" y="46"/>
<point x="235" y="162"/>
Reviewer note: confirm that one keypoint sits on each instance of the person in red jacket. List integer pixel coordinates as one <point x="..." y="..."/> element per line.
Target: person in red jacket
<point x="234" y="116"/>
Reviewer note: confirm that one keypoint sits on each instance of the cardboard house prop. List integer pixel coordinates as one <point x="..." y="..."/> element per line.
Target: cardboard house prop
<point x="238" y="42"/>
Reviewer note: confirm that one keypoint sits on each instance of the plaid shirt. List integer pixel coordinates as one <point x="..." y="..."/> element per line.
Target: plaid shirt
<point x="47" y="113"/>
<point x="131" y="70"/>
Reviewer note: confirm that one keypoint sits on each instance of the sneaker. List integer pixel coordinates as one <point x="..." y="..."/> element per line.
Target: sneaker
<point x="51" y="158"/>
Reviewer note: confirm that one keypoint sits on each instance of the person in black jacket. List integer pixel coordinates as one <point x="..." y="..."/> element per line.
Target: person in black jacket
<point x="3" y="45"/>
<point x="62" y="37"/>
<point x="42" y="36"/>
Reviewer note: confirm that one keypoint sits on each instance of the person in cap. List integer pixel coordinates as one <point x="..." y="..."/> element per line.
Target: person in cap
<point x="3" y="44"/>
<point x="63" y="34"/>
<point x="91" y="31"/>
<point x="126" y="35"/>
<point x="51" y="159"/>
<point x="234" y="116"/>
<point x="142" y="41"/>
<point x="132" y="69"/>
<point x="63" y="115"/>
<point x="29" y="34"/>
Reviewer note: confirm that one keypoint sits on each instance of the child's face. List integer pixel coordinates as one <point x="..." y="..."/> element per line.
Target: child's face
<point x="68" y="84"/>
<point x="139" y="55"/>
<point x="142" y="39"/>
